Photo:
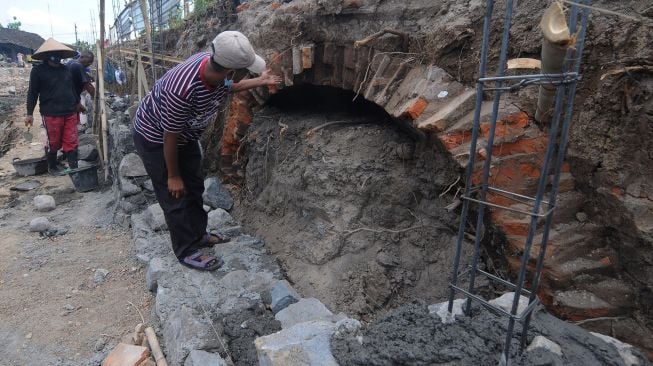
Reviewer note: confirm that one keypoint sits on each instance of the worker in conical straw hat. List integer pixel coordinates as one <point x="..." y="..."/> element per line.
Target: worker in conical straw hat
<point x="53" y="85"/>
<point x="168" y="124"/>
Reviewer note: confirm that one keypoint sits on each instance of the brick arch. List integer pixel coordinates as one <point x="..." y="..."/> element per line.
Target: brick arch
<point x="421" y="97"/>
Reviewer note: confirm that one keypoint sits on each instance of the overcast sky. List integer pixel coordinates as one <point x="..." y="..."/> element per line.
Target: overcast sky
<point x="60" y="21"/>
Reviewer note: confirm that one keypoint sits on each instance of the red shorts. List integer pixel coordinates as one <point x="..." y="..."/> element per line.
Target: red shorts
<point x="62" y="132"/>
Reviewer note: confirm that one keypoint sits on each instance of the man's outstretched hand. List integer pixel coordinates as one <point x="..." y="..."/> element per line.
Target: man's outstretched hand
<point x="268" y="78"/>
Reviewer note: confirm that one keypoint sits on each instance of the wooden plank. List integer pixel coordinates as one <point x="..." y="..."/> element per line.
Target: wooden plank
<point x="134" y="52"/>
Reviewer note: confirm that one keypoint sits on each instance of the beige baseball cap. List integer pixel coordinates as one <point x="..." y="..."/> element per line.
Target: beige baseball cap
<point x="232" y="50"/>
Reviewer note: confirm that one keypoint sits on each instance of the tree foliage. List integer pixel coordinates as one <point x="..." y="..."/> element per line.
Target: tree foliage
<point x="15" y="24"/>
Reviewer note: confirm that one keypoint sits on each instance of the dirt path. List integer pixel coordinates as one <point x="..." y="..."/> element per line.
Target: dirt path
<point x="52" y="312"/>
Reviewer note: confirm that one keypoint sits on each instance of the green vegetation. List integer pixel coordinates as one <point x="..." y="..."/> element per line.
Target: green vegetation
<point x="15" y="24"/>
<point x="202" y="5"/>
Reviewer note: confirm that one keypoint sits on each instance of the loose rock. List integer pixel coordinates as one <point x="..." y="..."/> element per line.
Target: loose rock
<point x="39" y="224"/>
<point x="44" y="203"/>
<point x="203" y="358"/>
<point x="100" y="275"/>
<point x="303" y="311"/>
<point x="216" y="195"/>
<point x="132" y="166"/>
<point x="219" y="219"/>
<point x="155" y="218"/>
<point x="282" y="295"/>
<point x="303" y="344"/>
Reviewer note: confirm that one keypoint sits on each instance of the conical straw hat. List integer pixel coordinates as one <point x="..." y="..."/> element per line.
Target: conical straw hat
<point x="53" y="46"/>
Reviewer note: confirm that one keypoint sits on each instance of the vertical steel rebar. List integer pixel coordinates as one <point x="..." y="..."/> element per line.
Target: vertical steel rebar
<point x="488" y="159"/>
<point x="472" y="153"/>
<point x="580" y="42"/>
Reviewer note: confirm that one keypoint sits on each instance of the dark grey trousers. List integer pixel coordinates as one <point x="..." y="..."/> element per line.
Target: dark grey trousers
<point x="185" y="216"/>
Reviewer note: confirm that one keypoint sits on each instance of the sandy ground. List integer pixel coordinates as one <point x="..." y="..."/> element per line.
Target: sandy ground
<point x="51" y="310"/>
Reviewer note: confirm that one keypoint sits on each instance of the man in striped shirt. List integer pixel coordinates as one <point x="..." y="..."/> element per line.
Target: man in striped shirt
<point x="168" y="124"/>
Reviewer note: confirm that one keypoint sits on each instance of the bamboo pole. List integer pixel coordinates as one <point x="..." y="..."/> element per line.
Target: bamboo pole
<point x="101" y="106"/>
<point x="148" y="33"/>
<point x="156" y="349"/>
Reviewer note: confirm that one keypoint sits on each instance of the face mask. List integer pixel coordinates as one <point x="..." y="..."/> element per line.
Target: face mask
<point x="229" y="80"/>
<point x="54" y="58"/>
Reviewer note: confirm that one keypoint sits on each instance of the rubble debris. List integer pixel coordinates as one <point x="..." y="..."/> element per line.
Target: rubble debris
<point x="304" y="343"/>
<point x="203" y="358"/>
<point x="155" y="218"/>
<point x="303" y="311"/>
<point x="543" y="342"/>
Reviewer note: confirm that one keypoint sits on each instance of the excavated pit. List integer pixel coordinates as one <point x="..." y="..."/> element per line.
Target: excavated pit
<point x="350" y="203"/>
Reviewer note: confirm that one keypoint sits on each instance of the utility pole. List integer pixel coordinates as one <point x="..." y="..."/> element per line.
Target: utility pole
<point x="76" y="39"/>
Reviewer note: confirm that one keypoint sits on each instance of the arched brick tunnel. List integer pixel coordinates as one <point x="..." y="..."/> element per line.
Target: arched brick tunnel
<point x="432" y="106"/>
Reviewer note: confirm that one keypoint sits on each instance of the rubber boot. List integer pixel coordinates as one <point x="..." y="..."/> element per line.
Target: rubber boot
<point x="72" y="157"/>
<point x="53" y="169"/>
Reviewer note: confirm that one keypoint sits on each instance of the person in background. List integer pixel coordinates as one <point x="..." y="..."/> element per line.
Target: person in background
<point x="168" y="124"/>
<point x="53" y="85"/>
<point x="79" y="68"/>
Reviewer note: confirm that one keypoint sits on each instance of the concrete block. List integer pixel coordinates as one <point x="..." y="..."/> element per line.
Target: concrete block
<point x="131" y="165"/>
<point x="155" y="218"/>
<point x="505" y="302"/>
<point x="203" y="358"/>
<point x="303" y="311"/>
<point x="282" y="294"/>
<point x="44" y="203"/>
<point x="543" y="342"/>
<point x="303" y="344"/>
<point x="126" y="355"/>
<point x="442" y="310"/>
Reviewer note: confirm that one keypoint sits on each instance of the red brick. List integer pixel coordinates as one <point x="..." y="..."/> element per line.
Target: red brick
<point x="242" y="7"/>
<point x="275" y="6"/>
<point x="453" y="140"/>
<point x="416" y="108"/>
<point x="536" y="145"/>
<point x="126" y="355"/>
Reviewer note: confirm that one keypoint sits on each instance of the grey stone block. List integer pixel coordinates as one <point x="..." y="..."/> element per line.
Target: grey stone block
<point x="44" y="203"/>
<point x="186" y="330"/>
<point x="303" y="311"/>
<point x="505" y="302"/>
<point x="203" y="358"/>
<point x="545" y="343"/>
<point x="131" y="165"/>
<point x="282" y="295"/>
<point x="303" y="344"/>
<point x="219" y="219"/>
<point x="442" y="310"/>
<point x="155" y="218"/>
<point x="148" y="185"/>
<point x="216" y="195"/>
<point x="128" y="188"/>
<point x="39" y="224"/>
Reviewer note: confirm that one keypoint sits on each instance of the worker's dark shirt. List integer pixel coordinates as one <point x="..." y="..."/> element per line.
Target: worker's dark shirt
<point x="80" y="77"/>
<point x="55" y="89"/>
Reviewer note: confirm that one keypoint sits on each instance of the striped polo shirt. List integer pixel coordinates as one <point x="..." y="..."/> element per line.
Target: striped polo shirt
<point x="180" y="102"/>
